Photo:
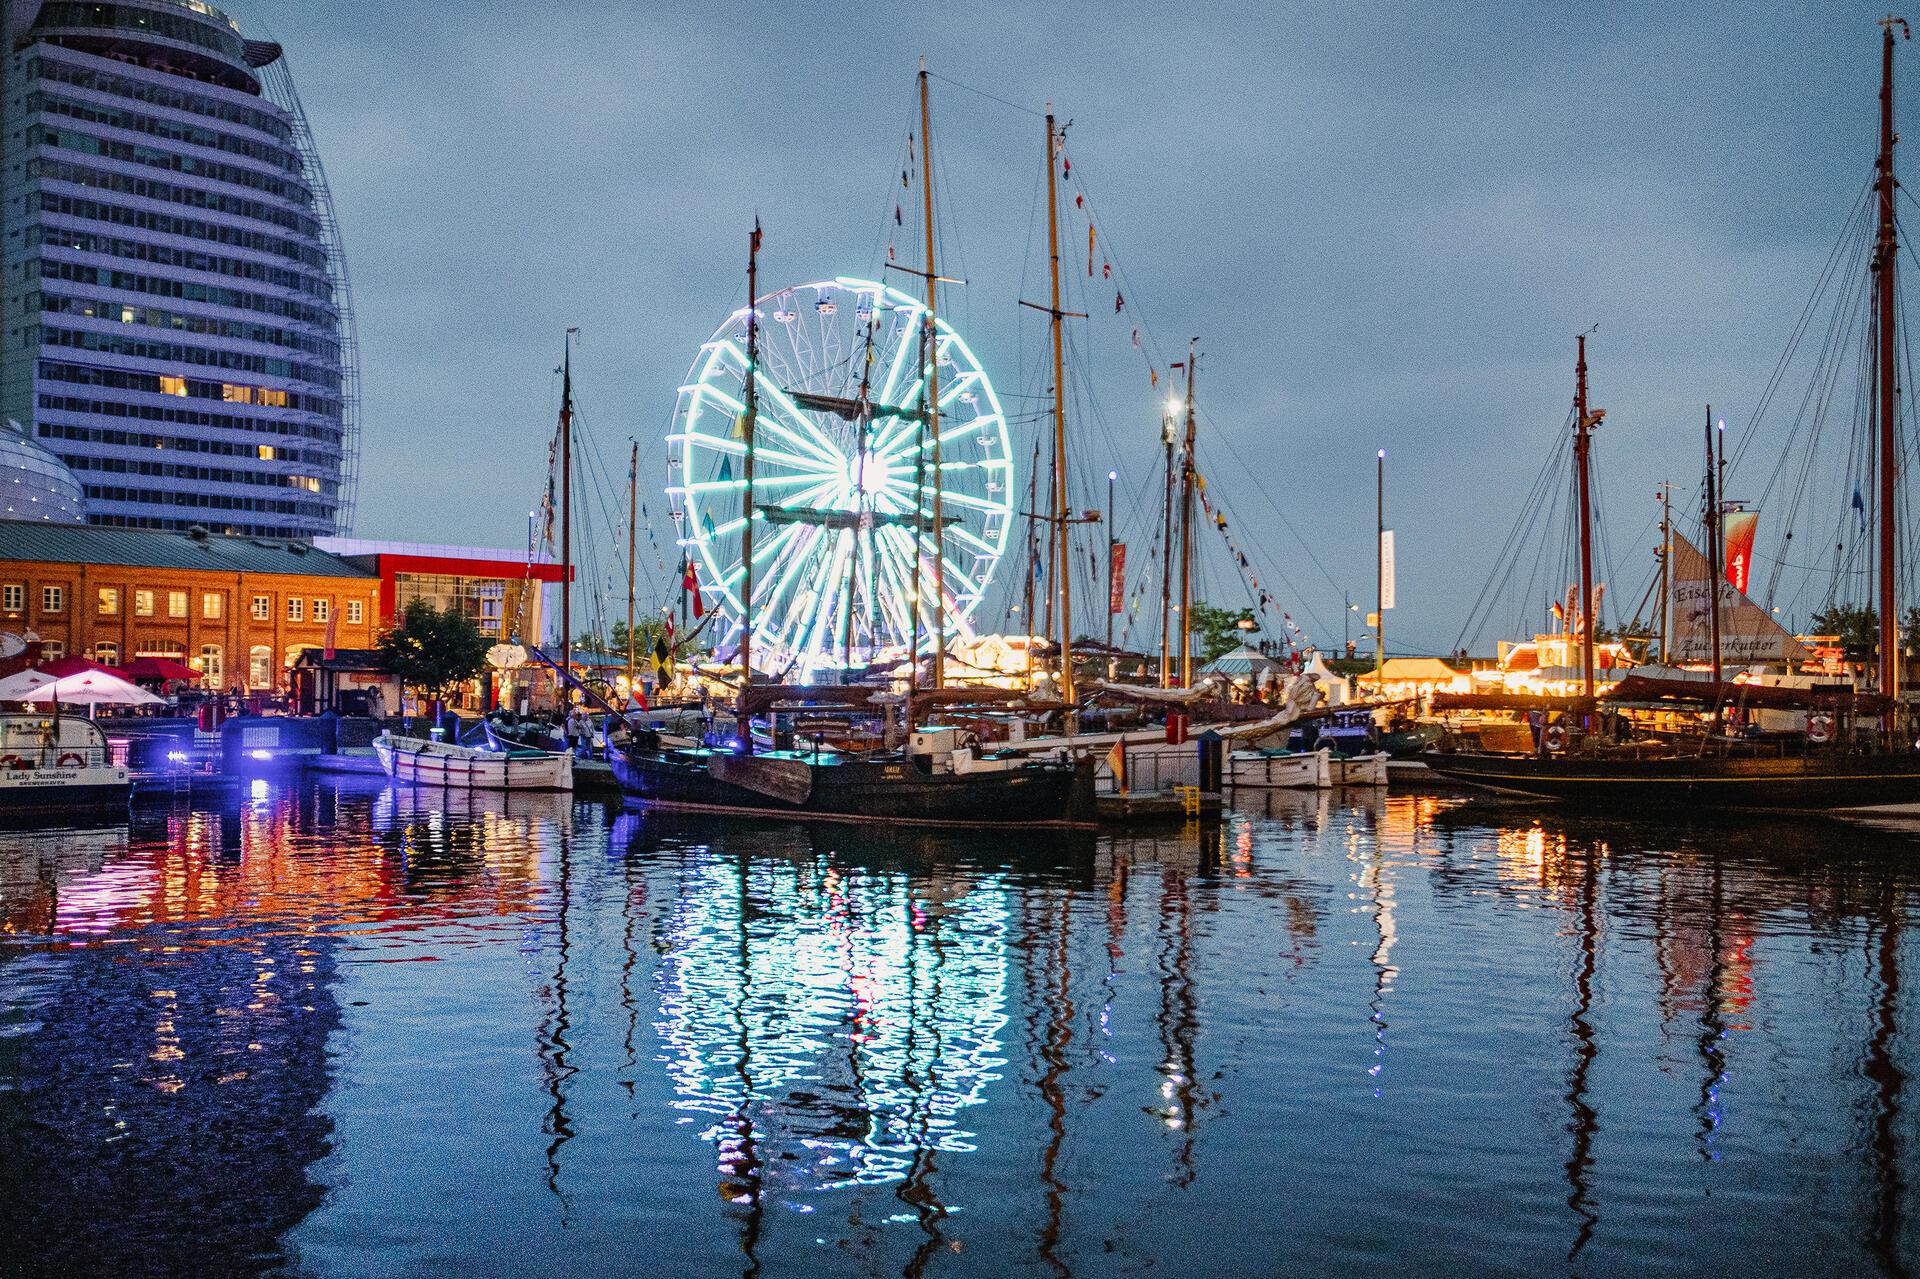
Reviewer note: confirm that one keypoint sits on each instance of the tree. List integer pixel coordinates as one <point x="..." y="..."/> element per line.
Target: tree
<point x="433" y="651"/>
<point x="1218" y="630"/>
<point x="1857" y="625"/>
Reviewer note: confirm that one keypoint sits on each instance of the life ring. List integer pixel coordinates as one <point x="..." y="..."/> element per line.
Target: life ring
<point x="71" y="760"/>
<point x="1554" y="738"/>
<point x="14" y="762"/>
<point x="1820" y="727"/>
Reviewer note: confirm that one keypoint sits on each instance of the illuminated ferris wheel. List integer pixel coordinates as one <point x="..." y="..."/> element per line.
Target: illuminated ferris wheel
<point x="845" y="477"/>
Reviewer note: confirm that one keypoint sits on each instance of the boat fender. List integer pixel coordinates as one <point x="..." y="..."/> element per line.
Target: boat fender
<point x="1820" y="727"/>
<point x="1555" y="737"/>
<point x="71" y="760"/>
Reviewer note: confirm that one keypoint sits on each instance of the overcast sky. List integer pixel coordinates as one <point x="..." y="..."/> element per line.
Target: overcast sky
<point x="1385" y="226"/>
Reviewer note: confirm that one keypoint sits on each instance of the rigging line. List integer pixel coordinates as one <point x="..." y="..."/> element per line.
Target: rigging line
<point x="991" y="97"/>
<point x="1218" y="434"/>
<point x="1508" y="554"/>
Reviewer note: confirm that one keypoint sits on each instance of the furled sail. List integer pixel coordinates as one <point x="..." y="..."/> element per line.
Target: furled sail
<point x="1748" y="632"/>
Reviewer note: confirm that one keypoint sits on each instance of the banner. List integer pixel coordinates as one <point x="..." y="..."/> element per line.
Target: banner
<point x="1748" y="632"/>
<point x="1386" y="569"/>
<point x="1117" y="579"/>
<point x="1738" y="528"/>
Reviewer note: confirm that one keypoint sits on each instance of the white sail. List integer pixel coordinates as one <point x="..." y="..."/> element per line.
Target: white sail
<point x="1748" y="632"/>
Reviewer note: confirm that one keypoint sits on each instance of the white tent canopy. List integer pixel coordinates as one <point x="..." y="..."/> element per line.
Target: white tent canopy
<point x="85" y="688"/>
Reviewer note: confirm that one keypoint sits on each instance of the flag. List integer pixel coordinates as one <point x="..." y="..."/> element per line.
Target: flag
<point x="1117" y="571"/>
<point x="662" y="660"/>
<point x="726" y="470"/>
<point x="903" y="179"/>
<point x="1089" y="249"/>
<point x="1153" y="376"/>
<point x="1119" y="303"/>
<point x="1079" y="201"/>
<point x="740" y="426"/>
<point x="896" y="216"/>
<point x="1106" y="269"/>
<point x="327" y="651"/>
<point x="1860" y="506"/>
<point x="1136" y="339"/>
<point x="706" y="524"/>
<point x="690" y="583"/>
<point x="755" y="243"/>
<point x="1117" y="761"/>
<point x="1739" y="528"/>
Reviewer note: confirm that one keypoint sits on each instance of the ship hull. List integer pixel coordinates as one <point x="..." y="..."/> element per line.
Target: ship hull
<point x="1794" y="782"/>
<point x="881" y="791"/>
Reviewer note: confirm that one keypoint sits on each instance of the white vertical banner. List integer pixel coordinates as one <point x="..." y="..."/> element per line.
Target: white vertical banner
<point x="1386" y="568"/>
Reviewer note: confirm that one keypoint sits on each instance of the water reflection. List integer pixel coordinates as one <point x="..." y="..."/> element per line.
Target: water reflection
<point x="350" y="1030"/>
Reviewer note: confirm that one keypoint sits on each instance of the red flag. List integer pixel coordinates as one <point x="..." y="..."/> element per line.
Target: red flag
<point x="1079" y="201"/>
<point x="690" y="583"/>
<point x="1119" y="304"/>
<point x="1106" y="270"/>
<point x="327" y="651"/>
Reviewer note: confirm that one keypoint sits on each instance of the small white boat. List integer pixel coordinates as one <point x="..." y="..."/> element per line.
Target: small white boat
<point x="1279" y="769"/>
<point x="57" y="763"/>
<point x="420" y="762"/>
<point x="1358" y="770"/>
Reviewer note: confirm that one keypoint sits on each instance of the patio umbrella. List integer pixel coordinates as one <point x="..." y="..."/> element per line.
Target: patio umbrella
<point x="61" y="667"/>
<point x="17" y="686"/>
<point x="92" y="688"/>
<point x="148" y="669"/>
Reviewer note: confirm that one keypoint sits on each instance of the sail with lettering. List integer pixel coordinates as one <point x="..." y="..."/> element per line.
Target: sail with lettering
<point x="1748" y="632"/>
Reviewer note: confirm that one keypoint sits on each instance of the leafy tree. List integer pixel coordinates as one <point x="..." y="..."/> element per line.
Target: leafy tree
<point x="1857" y="625"/>
<point x="1218" y="630"/>
<point x="646" y="631"/>
<point x="434" y="651"/>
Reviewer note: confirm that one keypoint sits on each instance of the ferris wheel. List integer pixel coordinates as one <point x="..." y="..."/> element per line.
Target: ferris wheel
<point x="845" y="483"/>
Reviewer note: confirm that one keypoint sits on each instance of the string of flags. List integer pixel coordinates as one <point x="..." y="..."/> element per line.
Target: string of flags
<point x="1263" y="598"/>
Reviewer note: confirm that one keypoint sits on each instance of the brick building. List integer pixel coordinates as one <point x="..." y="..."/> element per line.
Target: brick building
<point x="240" y="610"/>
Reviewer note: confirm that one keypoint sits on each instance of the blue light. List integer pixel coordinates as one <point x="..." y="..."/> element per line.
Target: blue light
<point x="176" y="757"/>
<point x="261" y="754"/>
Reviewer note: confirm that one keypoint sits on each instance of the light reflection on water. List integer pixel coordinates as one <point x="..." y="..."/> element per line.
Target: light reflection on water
<point x="347" y="1030"/>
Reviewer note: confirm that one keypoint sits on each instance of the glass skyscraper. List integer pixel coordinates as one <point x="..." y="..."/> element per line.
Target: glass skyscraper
<point x="176" y="323"/>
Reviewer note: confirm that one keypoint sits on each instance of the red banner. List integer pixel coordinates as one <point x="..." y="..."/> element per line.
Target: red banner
<point x="1739" y="528"/>
<point x="1117" y="579"/>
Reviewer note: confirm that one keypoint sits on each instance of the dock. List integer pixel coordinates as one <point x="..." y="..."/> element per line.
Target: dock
<point x="1125" y="808"/>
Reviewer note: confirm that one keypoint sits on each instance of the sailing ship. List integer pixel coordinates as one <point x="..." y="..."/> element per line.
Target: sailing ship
<point x="1851" y="752"/>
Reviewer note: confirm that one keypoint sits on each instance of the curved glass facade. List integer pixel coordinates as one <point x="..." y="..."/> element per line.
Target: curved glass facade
<point x="173" y="293"/>
<point x="36" y="485"/>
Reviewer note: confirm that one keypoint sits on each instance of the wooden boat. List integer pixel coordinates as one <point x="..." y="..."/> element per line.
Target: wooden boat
<point x="419" y="762"/>
<point x="1357" y="770"/>
<point x="1291" y="770"/>
<point x="57" y="763"/>
<point x="937" y="781"/>
<point x="1806" y="780"/>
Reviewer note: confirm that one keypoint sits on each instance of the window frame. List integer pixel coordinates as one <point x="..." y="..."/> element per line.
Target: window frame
<point x="53" y="599"/>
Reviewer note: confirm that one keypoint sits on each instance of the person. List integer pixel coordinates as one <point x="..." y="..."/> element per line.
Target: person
<point x="579" y="728"/>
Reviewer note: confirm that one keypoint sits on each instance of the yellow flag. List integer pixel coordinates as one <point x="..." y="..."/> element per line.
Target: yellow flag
<point x="740" y="427"/>
<point x="1117" y="761"/>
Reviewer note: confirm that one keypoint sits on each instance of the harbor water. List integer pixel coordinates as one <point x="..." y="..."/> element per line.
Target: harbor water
<point x="336" y="1029"/>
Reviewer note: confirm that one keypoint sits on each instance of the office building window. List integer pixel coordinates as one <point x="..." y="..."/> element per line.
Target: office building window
<point x="109" y="600"/>
<point x="296" y="609"/>
<point x="13" y="597"/>
<point x="322" y="609"/>
<point x="176" y="603"/>
<point x="354" y="615"/>
<point x="263" y="608"/>
<point x="143" y="603"/>
<point x="212" y="604"/>
<point x="53" y="599"/>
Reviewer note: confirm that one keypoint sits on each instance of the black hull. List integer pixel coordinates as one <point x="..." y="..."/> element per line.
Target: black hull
<point x="884" y="791"/>
<point x="1805" y="782"/>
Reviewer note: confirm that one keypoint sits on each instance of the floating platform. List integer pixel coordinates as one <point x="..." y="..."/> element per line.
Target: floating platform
<point x="1155" y="806"/>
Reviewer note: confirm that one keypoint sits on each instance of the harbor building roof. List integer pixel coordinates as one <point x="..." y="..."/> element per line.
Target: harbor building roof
<point x="196" y="548"/>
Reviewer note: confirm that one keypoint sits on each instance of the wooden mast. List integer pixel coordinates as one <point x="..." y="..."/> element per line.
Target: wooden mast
<point x="566" y="511"/>
<point x="750" y="419"/>
<point x="1380" y="571"/>
<point x="1582" y="446"/>
<point x="1666" y="570"/>
<point x="1186" y="527"/>
<point x="633" y="539"/>
<point x="932" y="424"/>
<point x="1166" y="555"/>
<point x="1885" y="252"/>
<point x="1713" y="563"/>
<point x="1062" y="539"/>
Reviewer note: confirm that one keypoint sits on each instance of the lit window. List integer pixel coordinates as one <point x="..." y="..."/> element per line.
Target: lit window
<point x="236" y="394"/>
<point x="143" y="603"/>
<point x="176" y="603"/>
<point x="274" y="399"/>
<point x="322" y="609"/>
<point x="128" y="315"/>
<point x="107" y="653"/>
<point x="109" y="600"/>
<point x="212" y="668"/>
<point x="266" y="453"/>
<point x="13" y="597"/>
<point x="172" y="385"/>
<point x="296" y="609"/>
<point x="353" y="613"/>
<point x="53" y="599"/>
<point x="263" y="608"/>
<point x="260" y="666"/>
<point x="212" y="604"/>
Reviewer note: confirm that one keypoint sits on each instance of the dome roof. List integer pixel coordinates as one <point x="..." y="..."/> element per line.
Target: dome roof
<point x="35" y="484"/>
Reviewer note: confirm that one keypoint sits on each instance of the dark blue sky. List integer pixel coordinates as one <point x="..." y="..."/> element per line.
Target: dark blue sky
<point x="1385" y="228"/>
